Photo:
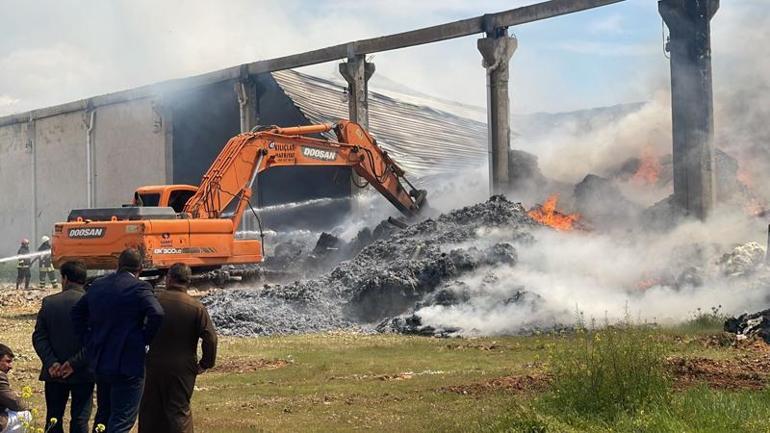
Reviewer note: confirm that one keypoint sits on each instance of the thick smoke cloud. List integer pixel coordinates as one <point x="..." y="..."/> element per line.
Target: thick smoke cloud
<point x="599" y="276"/>
<point x="631" y="271"/>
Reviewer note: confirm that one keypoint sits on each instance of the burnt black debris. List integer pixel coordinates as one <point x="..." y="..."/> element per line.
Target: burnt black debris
<point x="397" y="271"/>
<point x="747" y="325"/>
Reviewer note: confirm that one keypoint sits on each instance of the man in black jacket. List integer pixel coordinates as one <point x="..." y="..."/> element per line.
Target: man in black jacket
<point x="117" y="319"/>
<point x="64" y="369"/>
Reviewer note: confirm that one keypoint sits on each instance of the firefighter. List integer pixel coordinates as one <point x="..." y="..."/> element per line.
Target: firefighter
<point x="46" y="267"/>
<point x="23" y="265"/>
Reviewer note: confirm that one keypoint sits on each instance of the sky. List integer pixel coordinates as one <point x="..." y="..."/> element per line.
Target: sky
<point x="56" y="51"/>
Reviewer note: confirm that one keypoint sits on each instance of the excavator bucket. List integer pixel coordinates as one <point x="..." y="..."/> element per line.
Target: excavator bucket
<point x="419" y="196"/>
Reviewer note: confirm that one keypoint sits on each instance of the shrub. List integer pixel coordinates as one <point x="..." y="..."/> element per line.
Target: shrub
<point x="606" y="373"/>
<point x="706" y="321"/>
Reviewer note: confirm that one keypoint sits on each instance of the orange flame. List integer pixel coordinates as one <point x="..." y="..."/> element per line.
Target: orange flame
<point x="649" y="169"/>
<point x="753" y="206"/>
<point x="647" y="283"/>
<point x="744" y="176"/>
<point x="547" y="214"/>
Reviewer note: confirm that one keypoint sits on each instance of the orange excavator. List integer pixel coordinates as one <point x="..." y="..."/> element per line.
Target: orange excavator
<point x="196" y="225"/>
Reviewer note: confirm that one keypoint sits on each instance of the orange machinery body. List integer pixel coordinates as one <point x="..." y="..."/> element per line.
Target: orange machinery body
<point x="202" y="235"/>
<point x="200" y="243"/>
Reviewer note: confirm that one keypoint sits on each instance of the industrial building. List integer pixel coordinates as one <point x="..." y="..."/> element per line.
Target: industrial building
<point x="95" y="152"/>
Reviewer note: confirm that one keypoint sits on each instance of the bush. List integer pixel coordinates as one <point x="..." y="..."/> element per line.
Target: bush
<point x="706" y="321"/>
<point x="618" y="370"/>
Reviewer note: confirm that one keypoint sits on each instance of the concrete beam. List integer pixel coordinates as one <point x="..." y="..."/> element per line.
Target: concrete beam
<point x="496" y="51"/>
<point x="692" y="103"/>
<point x="442" y="32"/>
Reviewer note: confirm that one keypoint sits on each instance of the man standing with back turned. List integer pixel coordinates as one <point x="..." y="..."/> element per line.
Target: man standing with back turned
<point x="64" y="371"/>
<point x="117" y="319"/>
<point x="172" y="363"/>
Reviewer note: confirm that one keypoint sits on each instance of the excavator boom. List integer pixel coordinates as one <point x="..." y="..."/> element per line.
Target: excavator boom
<point x="227" y="185"/>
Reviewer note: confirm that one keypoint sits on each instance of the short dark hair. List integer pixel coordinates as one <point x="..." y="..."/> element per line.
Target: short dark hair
<point x="180" y="273"/>
<point x="130" y="260"/>
<point x="5" y="350"/>
<point x="75" y="271"/>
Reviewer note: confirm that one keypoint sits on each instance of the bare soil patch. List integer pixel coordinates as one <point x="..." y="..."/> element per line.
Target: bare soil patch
<point x="248" y="365"/>
<point x="745" y="372"/>
<point x="516" y="384"/>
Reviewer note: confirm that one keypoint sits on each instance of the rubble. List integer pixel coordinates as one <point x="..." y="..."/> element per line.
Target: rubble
<point x="601" y="202"/>
<point x="387" y="278"/>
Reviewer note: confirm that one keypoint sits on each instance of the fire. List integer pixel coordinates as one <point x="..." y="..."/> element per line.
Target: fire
<point x="744" y="176"/>
<point x="647" y="283"/>
<point x="753" y="205"/>
<point x="547" y="214"/>
<point x="649" y="169"/>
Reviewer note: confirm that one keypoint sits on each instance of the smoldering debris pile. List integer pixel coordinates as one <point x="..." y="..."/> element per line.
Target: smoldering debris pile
<point x="386" y="279"/>
<point x="746" y="325"/>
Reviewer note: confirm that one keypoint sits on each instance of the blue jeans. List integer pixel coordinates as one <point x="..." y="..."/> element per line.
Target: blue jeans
<point x="117" y="400"/>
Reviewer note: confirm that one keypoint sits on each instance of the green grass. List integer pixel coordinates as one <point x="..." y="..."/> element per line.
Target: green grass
<point x="608" y="373"/>
<point x="698" y="410"/>
<point x="344" y="382"/>
<point x="705" y="321"/>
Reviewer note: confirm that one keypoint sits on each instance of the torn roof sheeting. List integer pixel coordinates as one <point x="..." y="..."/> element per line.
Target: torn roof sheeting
<point x="423" y="140"/>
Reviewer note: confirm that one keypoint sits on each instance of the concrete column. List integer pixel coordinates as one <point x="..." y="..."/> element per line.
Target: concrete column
<point x="164" y="124"/>
<point x="32" y="145"/>
<point x="692" y="104"/>
<point x="496" y="50"/>
<point x="246" y="93"/>
<point x="89" y="122"/>
<point x="357" y="72"/>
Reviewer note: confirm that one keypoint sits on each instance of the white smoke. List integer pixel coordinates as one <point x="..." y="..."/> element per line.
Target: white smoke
<point x="599" y="276"/>
<point x="601" y="143"/>
<point x="652" y="276"/>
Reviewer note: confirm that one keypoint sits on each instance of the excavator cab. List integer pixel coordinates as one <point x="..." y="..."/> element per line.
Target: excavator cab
<point x="173" y="196"/>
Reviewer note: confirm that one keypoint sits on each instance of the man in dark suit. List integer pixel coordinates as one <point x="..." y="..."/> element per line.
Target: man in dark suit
<point x="172" y="362"/>
<point x="64" y="369"/>
<point x="117" y="319"/>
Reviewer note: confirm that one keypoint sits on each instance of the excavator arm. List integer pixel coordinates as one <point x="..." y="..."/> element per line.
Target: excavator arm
<point x="226" y="188"/>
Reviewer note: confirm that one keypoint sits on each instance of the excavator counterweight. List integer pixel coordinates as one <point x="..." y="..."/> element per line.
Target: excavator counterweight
<point x="201" y="232"/>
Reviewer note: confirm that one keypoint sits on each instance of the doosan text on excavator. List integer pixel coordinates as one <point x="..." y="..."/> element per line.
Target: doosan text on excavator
<point x="197" y="225"/>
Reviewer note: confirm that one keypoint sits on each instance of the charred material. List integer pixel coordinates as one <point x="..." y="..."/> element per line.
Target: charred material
<point x="747" y="325"/>
<point x="387" y="278"/>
